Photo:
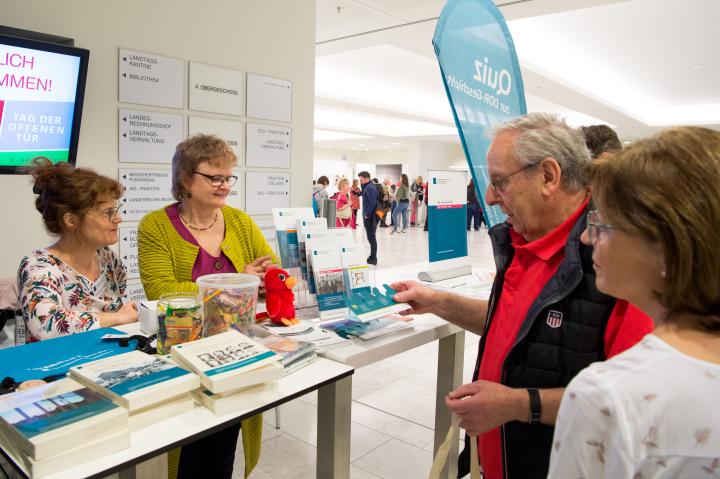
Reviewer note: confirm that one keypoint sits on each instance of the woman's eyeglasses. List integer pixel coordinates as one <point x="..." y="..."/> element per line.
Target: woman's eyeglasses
<point x="218" y="180"/>
<point x="595" y="226"/>
<point x="112" y="212"/>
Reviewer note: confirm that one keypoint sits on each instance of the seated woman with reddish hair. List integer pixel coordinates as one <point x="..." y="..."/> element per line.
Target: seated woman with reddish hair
<point x="77" y="283"/>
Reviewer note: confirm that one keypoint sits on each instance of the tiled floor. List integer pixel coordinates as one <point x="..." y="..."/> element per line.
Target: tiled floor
<point x="393" y="400"/>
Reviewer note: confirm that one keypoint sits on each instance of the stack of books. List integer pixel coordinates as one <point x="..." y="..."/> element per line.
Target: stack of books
<point x="60" y="424"/>
<point x="228" y="364"/>
<point x="151" y="388"/>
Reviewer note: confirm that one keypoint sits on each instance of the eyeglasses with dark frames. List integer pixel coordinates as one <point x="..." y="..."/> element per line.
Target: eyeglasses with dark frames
<point x="499" y="185"/>
<point x="218" y="180"/>
<point x="595" y="226"/>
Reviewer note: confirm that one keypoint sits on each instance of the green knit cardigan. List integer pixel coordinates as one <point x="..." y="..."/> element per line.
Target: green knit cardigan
<point x="166" y="261"/>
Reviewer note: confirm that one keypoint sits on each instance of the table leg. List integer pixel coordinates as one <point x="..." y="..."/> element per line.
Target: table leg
<point x="333" y="439"/>
<point x="449" y="376"/>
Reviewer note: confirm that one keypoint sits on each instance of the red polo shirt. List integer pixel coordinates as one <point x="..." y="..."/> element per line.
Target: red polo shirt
<point x="533" y="265"/>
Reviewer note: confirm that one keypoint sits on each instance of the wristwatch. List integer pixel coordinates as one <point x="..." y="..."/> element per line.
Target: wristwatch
<point x="535" y="405"/>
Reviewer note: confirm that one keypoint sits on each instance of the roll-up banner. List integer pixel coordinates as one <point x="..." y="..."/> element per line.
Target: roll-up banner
<point x="482" y="80"/>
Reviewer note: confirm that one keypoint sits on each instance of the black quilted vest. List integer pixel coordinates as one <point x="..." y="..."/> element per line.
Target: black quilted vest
<point x="544" y="356"/>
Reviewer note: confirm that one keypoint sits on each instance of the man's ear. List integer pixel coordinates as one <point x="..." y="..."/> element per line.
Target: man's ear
<point x="552" y="174"/>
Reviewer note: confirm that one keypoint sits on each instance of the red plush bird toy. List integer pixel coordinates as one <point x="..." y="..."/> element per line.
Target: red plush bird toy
<point x="279" y="298"/>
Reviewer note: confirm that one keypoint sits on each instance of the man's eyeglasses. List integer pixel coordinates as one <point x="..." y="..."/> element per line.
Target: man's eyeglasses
<point x="595" y="226"/>
<point x="218" y="180"/>
<point x="499" y="184"/>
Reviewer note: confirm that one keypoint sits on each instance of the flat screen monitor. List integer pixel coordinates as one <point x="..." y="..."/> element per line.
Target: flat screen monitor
<point x="42" y="86"/>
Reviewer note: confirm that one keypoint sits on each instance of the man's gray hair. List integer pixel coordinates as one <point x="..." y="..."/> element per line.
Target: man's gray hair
<point x="543" y="135"/>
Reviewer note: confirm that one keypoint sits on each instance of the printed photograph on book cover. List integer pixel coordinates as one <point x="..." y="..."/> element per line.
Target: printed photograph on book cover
<point x="48" y="413"/>
<point x="108" y="379"/>
<point x="228" y="355"/>
<point x="330" y="282"/>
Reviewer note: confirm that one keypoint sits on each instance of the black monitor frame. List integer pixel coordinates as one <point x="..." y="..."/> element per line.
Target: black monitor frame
<point x="83" y="55"/>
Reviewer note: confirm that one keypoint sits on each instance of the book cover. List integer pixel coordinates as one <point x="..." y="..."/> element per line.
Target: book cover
<point x="365" y="330"/>
<point x="305" y="226"/>
<point x="285" y="220"/>
<point x="356" y="272"/>
<point x="315" y="239"/>
<point x="43" y="420"/>
<point x="56" y="356"/>
<point x="292" y="351"/>
<point x="136" y="380"/>
<point x="328" y="273"/>
<point x="221" y="360"/>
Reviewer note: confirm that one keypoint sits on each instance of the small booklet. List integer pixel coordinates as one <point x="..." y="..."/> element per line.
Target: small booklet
<point x="42" y="421"/>
<point x="356" y="272"/>
<point x="228" y="361"/>
<point x="295" y="354"/>
<point x="365" y="330"/>
<point x="136" y="380"/>
<point x="328" y="272"/>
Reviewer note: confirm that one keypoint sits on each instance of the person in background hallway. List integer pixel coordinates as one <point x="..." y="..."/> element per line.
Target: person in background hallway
<point x="393" y="205"/>
<point x="77" y="283"/>
<point x="403" y="200"/>
<point x="427" y="209"/>
<point x="370" y="218"/>
<point x="319" y="193"/>
<point x="384" y="201"/>
<point x="417" y="188"/>
<point x="474" y="212"/>
<point x="652" y="412"/>
<point x="601" y="140"/>
<point x="545" y="321"/>
<point x="355" y="194"/>
<point x="343" y="209"/>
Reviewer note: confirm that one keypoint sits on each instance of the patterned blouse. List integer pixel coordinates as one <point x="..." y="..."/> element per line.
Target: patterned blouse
<point x="57" y="300"/>
<point x="650" y="412"/>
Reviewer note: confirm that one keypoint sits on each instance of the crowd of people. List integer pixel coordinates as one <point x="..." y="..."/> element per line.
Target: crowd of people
<point x="599" y="351"/>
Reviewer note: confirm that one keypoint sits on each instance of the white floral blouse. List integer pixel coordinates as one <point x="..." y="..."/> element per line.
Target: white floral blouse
<point x="57" y="300"/>
<point x="650" y="412"/>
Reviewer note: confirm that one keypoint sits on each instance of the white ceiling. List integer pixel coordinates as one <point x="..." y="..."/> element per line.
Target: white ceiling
<point x="637" y="65"/>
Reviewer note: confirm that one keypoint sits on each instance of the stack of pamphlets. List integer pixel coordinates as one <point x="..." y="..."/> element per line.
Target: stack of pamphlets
<point x="351" y="328"/>
<point x="151" y="388"/>
<point x="295" y="354"/>
<point x="228" y="361"/>
<point x="305" y="332"/>
<point x="61" y="424"/>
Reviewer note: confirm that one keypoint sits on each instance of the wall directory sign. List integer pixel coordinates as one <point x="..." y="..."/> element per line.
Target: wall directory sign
<point x="129" y="251"/>
<point x="268" y="146"/>
<point x="215" y="89"/>
<point x="269" y="98"/>
<point x="134" y="292"/>
<point x="267" y="226"/>
<point x="148" y="136"/>
<point x="235" y="197"/>
<point x="228" y="130"/>
<point x="151" y="79"/>
<point x="145" y="191"/>
<point x="265" y="190"/>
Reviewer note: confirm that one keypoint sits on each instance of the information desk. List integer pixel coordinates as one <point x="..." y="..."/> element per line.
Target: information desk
<point x="332" y="380"/>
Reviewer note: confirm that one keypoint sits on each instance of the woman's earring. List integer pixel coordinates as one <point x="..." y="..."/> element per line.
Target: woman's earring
<point x="663" y="273"/>
<point x="188" y="195"/>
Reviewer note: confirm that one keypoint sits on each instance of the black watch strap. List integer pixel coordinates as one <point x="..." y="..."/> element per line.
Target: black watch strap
<point x="535" y="405"/>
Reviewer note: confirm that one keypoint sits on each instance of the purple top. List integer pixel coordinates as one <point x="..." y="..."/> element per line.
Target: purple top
<point x="205" y="263"/>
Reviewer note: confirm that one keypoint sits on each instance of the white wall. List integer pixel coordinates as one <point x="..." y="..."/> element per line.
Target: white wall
<point x="418" y="157"/>
<point x="270" y="37"/>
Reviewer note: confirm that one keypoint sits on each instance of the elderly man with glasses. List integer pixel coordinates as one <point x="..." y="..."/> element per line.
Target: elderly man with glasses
<point x="545" y="320"/>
